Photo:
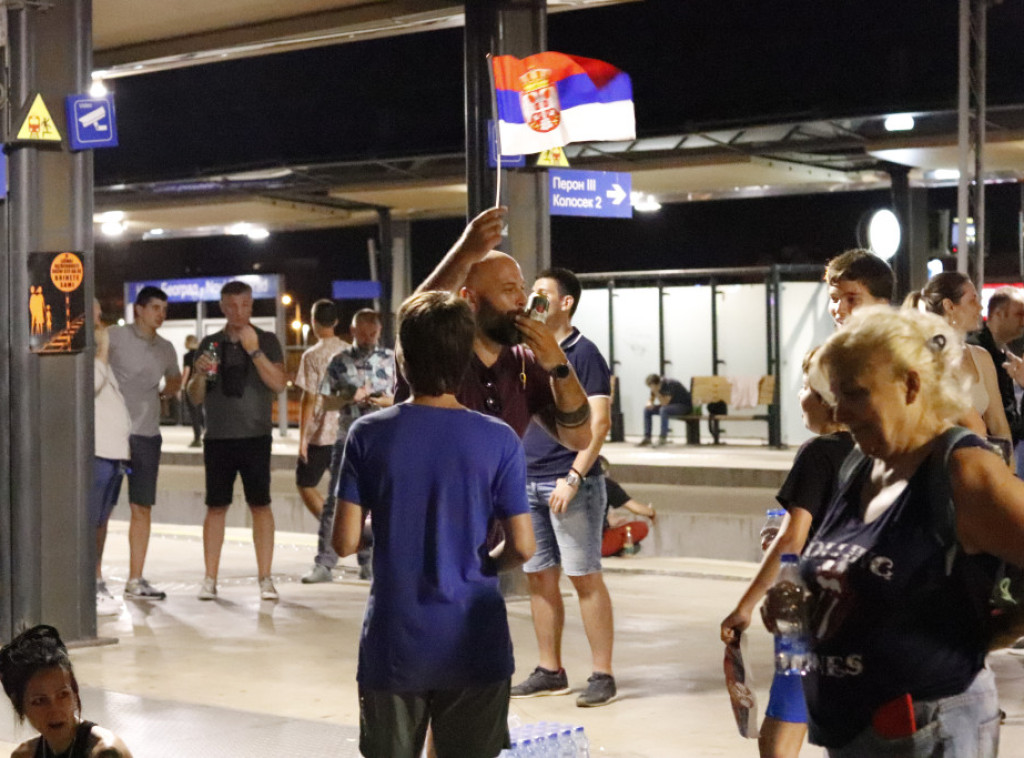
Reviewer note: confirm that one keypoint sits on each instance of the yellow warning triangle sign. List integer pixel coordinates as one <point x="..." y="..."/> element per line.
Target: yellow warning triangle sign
<point x="553" y="157"/>
<point x="39" y="124"/>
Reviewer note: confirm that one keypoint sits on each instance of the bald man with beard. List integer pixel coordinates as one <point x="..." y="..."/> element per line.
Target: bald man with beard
<point x="518" y="371"/>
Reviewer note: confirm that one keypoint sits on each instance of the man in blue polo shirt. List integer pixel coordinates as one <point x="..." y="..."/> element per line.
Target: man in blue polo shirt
<point x="567" y="497"/>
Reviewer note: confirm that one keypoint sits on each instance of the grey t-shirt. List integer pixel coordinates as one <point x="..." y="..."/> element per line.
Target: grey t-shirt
<point x="239" y="404"/>
<point x="139" y="363"/>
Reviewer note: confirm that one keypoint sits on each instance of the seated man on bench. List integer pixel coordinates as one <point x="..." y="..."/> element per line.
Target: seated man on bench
<point x="668" y="398"/>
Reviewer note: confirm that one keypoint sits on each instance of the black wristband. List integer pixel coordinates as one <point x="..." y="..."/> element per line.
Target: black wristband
<point x="572" y="419"/>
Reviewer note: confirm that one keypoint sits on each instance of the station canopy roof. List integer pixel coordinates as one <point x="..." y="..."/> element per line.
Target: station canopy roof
<point x="745" y="160"/>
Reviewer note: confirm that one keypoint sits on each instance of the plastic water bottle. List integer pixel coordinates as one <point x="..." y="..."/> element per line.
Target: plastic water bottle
<point x="566" y="747"/>
<point x="790" y="599"/>
<point x="772" y="524"/>
<point x="628" y="547"/>
<point x="526" y="749"/>
<point x="582" y="744"/>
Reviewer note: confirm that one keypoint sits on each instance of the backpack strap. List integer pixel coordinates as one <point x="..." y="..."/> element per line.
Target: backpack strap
<point x="941" y="511"/>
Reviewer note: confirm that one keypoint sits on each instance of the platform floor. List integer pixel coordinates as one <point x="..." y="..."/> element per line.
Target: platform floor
<point x="240" y="677"/>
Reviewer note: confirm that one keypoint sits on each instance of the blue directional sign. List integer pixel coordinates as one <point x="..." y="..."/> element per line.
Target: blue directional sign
<point x="91" y="122"/>
<point x="604" y="194"/>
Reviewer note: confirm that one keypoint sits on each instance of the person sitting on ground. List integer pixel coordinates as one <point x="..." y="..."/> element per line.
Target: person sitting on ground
<point x="616" y="521"/>
<point x="38" y="678"/>
<point x="668" y="398"/>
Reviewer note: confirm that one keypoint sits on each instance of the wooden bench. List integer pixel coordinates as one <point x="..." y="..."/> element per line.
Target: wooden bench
<point x="717" y="389"/>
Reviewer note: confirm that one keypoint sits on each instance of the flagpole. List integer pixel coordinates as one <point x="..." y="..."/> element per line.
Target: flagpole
<point x="497" y="129"/>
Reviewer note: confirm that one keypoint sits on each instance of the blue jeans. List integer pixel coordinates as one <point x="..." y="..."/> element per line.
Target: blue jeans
<point x="666" y="412"/>
<point x="959" y="726"/>
<point x="325" y="555"/>
<point x="571" y="539"/>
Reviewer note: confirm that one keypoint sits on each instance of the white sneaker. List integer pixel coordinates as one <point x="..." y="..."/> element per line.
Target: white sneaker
<point x="267" y="591"/>
<point x="141" y="589"/>
<point x="107" y="604"/>
<point x="209" y="589"/>
<point x="317" y="575"/>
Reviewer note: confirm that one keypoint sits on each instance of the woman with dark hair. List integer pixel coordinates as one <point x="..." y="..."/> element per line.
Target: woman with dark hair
<point x="37" y="676"/>
<point x="953" y="296"/>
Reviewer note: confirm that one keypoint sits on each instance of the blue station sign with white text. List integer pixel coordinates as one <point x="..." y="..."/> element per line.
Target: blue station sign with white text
<point x="264" y="286"/>
<point x="604" y="194"/>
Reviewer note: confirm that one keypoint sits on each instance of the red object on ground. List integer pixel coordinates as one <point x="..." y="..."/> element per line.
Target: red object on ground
<point x="615" y="537"/>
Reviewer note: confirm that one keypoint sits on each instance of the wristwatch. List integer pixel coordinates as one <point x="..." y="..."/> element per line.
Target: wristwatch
<point x="560" y="371"/>
<point x="255" y="354"/>
<point x="572" y="479"/>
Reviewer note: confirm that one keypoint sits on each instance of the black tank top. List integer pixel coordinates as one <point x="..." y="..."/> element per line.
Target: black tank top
<point x="889" y="618"/>
<point x="80" y="748"/>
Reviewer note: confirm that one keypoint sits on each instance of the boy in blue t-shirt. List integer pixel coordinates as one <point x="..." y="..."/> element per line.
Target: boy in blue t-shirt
<point x="435" y="646"/>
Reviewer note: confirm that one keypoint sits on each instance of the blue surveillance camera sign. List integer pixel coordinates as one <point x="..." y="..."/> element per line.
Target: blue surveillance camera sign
<point x="91" y="122"/>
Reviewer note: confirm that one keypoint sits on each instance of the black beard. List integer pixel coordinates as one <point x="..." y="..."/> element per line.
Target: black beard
<point x="497" y="325"/>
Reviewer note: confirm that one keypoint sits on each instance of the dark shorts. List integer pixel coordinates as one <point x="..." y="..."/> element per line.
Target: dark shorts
<point x="106" y="488"/>
<point x="309" y="472"/>
<point x="144" y="466"/>
<point x="224" y="459"/>
<point x="471" y="722"/>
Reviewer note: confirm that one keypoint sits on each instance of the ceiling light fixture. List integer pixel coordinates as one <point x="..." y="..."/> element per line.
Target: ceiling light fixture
<point x="112" y="228"/>
<point x="644" y="203"/>
<point x="899" y="122"/>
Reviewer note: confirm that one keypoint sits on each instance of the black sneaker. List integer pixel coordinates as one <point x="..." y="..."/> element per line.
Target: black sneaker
<point x="644" y="442"/>
<point x="600" y="691"/>
<point x="543" y="682"/>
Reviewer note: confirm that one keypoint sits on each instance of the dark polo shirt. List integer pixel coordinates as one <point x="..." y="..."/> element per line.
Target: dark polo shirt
<point x="513" y="389"/>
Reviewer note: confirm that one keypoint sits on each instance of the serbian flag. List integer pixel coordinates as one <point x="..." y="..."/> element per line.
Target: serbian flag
<point x="551" y="99"/>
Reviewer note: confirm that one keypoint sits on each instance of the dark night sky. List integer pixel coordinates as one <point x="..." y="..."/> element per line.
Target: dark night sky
<point x="694" y="64"/>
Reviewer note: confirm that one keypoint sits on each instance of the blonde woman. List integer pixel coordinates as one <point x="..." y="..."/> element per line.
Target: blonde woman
<point x="903" y="563"/>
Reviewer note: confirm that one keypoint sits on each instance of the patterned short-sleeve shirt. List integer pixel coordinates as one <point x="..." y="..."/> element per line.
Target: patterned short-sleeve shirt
<point x="356" y="367"/>
<point x="323" y="425"/>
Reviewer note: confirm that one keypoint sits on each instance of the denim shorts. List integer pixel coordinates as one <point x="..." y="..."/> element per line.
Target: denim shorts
<point x="958" y="726"/>
<point x="571" y="539"/>
<point x="106" y="487"/>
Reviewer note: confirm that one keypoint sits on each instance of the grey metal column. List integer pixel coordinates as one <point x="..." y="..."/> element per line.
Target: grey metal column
<point x="50" y="427"/>
<point x="505" y="27"/>
<point x="971" y="106"/>
<point x="618" y="430"/>
<point x="281" y="332"/>
<point x="401" y="262"/>
<point x="911" y="207"/>
<point x="385" y="264"/>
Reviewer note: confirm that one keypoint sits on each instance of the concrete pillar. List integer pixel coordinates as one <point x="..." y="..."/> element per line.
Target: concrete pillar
<point x="47" y="546"/>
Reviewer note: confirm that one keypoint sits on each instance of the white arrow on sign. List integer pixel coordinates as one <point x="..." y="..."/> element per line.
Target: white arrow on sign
<point x="617" y="194"/>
